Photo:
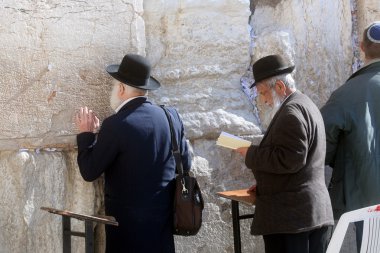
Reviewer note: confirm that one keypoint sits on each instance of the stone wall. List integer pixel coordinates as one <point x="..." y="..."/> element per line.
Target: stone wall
<point x="52" y="62"/>
<point x="368" y="11"/>
<point x="200" y="50"/>
<point x="306" y="35"/>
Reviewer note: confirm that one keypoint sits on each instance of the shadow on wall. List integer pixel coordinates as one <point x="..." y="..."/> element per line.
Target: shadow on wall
<point x="270" y="3"/>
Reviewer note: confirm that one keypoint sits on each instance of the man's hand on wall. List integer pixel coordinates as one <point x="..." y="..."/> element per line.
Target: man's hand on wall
<point x="86" y="120"/>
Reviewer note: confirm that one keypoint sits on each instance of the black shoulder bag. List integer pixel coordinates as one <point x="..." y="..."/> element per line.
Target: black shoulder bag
<point x="188" y="201"/>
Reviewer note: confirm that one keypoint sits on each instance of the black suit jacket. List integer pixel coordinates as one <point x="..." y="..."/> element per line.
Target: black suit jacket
<point x="133" y="150"/>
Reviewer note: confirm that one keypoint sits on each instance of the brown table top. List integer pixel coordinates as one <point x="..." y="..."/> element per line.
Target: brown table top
<point x="109" y="220"/>
<point x="241" y="195"/>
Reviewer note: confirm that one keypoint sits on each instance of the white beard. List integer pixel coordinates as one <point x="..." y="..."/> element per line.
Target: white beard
<point x="268" y="112"/>
<point x="277" y="102"/>
<point x="114" y="99"/>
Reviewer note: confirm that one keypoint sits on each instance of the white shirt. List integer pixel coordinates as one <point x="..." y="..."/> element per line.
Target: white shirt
<point x="126" y="101"/>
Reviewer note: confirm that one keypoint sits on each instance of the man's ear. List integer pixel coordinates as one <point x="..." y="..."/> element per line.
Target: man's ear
<point x="280" y="87"/>
<point x="121" y="89"/>
<point x="362" y="46"/>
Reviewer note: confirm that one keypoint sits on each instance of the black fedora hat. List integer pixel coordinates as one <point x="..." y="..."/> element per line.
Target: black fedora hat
<point x="134" y="70"/>
<point x="268" y="66"/>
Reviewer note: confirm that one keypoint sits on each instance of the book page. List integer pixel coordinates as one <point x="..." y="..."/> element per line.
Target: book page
<point x="231" y="141"/>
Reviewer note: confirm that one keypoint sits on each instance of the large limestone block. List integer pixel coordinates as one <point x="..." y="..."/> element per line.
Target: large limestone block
<point x="200" y="50"/>
<point x="364" y="12"/>
<point x="218" y="169"/>
<point x="53" y="58"/>
<point x="368" y="11"/>
<point x="29" y="181"/>
<point x="316" y="35"/>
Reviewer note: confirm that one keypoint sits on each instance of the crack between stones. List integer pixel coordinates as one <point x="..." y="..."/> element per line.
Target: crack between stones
<point x="355" y="36"/>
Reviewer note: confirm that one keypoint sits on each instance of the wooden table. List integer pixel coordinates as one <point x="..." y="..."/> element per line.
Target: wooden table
<point x="236" y="196"/>
<point x="89" y="228"/>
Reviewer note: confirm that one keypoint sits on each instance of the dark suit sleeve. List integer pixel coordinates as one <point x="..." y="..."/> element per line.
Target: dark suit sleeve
<point x="334" y="119"/>
<point x="95" y="156"/>
<point x="287" y="151"/>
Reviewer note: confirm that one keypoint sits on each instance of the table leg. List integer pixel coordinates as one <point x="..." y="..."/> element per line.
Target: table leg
<point x="236" y="225"/>
<point x="89" y="238"/>
<point x="66" y="234"/>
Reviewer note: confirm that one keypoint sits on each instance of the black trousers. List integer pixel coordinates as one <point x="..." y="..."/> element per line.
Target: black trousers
<point x="140" y="230"/>
<point x="313" y="241"/>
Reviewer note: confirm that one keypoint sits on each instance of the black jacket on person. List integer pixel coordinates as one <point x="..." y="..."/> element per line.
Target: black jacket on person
<point x="133" y="150"/>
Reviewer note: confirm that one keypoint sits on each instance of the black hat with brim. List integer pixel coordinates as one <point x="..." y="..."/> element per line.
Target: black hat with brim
<point x="269" y="66"/>
<point x="134" y="70"/>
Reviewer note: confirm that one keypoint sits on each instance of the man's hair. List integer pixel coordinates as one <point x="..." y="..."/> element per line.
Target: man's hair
<point x="371" y="49"/>
<point x="134" y="90"/>
<point x="131" y="89"/>
<point x="287" y="79"/>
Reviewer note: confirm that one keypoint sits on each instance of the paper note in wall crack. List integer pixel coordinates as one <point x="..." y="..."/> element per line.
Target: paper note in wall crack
<point x="231" y="141"/>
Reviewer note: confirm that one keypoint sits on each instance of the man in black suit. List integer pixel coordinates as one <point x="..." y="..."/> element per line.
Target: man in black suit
<point x="133" y="150"/>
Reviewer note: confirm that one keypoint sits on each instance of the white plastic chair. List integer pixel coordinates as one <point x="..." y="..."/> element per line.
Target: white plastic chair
<point x="371" y="229"/>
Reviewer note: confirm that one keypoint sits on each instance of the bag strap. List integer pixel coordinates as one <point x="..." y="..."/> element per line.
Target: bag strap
<point x="175" y="149"/>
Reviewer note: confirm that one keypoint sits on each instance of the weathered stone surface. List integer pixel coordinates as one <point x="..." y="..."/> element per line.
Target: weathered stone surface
<point x="365" y="12"/>
<point x="52" y="61"/>
<point x="29" y="181"/>
<point x="315" y="35"/>
<point x="369" y="11"/>
<point x="200" y="51"/>
<point x="218" y="169"/>
<point x="53" y="57"/>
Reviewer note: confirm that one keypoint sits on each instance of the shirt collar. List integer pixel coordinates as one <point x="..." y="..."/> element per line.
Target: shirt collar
<point x="126" y="101"/>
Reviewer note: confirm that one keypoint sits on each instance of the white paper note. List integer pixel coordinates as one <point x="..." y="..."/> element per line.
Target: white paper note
<point x="231" y="141"/>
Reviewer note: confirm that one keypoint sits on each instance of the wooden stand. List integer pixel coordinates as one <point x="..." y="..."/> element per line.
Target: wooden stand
<point x="89" y="227"/>
<point x="236" y="196"/>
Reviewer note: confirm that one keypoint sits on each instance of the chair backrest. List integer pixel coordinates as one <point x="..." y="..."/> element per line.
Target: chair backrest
<point x="371" y="229"/>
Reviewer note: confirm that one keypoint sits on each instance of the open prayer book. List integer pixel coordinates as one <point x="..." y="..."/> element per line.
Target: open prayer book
<point x="231" y="141"/>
